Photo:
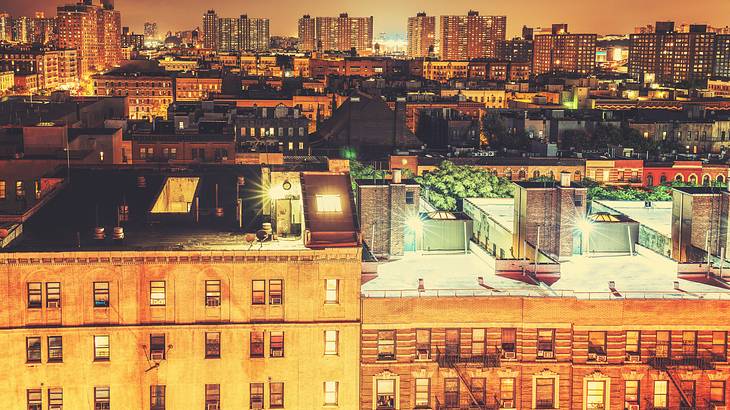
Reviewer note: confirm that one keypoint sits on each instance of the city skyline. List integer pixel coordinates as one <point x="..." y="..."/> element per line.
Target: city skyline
<point x="581" y="17"/>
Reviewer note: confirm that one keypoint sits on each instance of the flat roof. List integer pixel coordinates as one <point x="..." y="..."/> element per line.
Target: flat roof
<point x="658" y="216"/>
<point x="644" y="275"/>
<point x="502" y="210"/>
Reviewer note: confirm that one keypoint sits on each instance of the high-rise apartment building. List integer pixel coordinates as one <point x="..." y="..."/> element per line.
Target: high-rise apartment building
<point x="236" y="34"/>
<point x="6" y="26"/>
<point x="150" y="31"/>
<point x="22" y="28"/>
<point x="670" y="56"/>
<point x="564" y="52"/>
<point x="344" y="33"/>
<point x="421" y="35"/>
<point x="210" y="30"/>
<point x="307" y="33"/>
<point x="471" y="36"/>
<point x="43" y="29"/>
<point x="722" y="56"/>
<point x="53" y="68"/>
<point x="94" y="31"/>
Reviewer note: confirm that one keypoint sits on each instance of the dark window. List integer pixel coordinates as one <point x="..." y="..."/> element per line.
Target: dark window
<point x="212" y="293"/>
<point x="157" y="397"/>
<point x="451" y="392"/>
<point x="719" y="346"/>
<point x="452" y="342"/>
<point x="157" y="347"/>
<point x="276" y="291"/>
<point x="34" y="295"/>
<point x="633" y="343"/>
<point x="410" y="197"/>
<point x="212" y="345"/>
<point x="689" y="344"/>
<point x="33" y="349"/>
<point x="545" y="393"/>
<point x="509" y="340"/>
<point x="276" y="395"/>
<point x="596" y="345"/>
<point x="257" y="344"/>
<point x="212" y="396"/>
<point x="258" y="293"/>
<point x="55" y="349"/>
<point x="663" y="344"/>
<point x="479" y="389"/>
<point x="689" y="389"/>
<point x="257" y="395"/>
<point x="423" y="343"/>
<point x="545" y="343"/>
<point x="276" y="344"/>
<point x="53" y="294"/>
<point x="101" y="294"/>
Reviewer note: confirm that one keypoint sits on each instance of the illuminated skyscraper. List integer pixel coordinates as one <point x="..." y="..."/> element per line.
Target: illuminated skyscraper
<point x="307" y="29"/>
<point x="471" y="36"/>
<point x="6" y="26"/>
<point x="563" y="52"/>
<point x="344" y="33"/>
<point x="421" y="35"/>
<point x="210" y="30"/>
<point x="150" y="31"/>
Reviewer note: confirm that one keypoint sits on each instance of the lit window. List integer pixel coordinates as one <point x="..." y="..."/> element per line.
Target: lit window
<point x="276" y="395"/>
<point x="212" y="396"/>
<point x="423" y="392"/>
<point x="276" y="344"/>
<point x="385" y="393"/>
<point x="507" y="391"/>
<point x="35" y="399"/>
<point x="157" y="293"/>
<point x="258" y="295"/>
<point x="330" y="393"/>
<point x="386" y="345"/>
<point x="276" y="291"/>
<point x="34" y="295"/>
<point x="101" y="347"/>
<point x="660" y="394"/>
<point x="257" y="395"/>
<point x="332" y="291"/>
<point x="212" y="293"/>
<point x="53" y="295"/>
<point x="423" y="343"/>
<point x="477" y="342"/>
<point x="329" y="203"/>
<point x="717" y="392"/>
<point x="596" y="394"/>
<point x="101" y="294"/>
<point x="55" y="399"/>
<point x="330" y="342"/>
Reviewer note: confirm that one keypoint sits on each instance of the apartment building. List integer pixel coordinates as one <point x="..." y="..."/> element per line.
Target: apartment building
<point x="128" y="321"/>
<point x="563" y="52"/>
<point x="149" y="89"/>
<point x="343" y="33"/>
<point x="471" y="36"/>
<point x="455" y="352"/>
<point x="421" y="35"/>
<point x="53" y="68"/>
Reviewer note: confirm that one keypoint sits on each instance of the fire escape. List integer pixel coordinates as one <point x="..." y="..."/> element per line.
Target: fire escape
<point x="451" y="358"/>
<point x="691" y="358"/>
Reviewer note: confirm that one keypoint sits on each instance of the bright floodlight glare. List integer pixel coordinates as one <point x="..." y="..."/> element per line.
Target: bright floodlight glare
<point x="585" y="225"/>
<point x="414" y="222"/>
<point x="276" y="192"/>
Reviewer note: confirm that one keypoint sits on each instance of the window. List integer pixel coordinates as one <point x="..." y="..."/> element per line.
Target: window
<point x="633" y="343"/>
<point x="330" y="393"/>
<point x="55" y="349"/>
<point x="101" y="398"/>
<point x="507" y="392"/>
<point x="596" y="345"/>
<point x="631" y="392"/>
<point x="328" y="203"/>
<point x="157" y="397"/>
<point x="477" y="342"/>
<point x="689" y="344"/>
<point x="545" y="340"/>
<point x="212" y="293"/>
<point x="257" y="395"/>
<point x="33" y="349"/>
<point x="257" y="344"/>
<point x="479" y="389"/>
<point x="53" y="294"/>
<point x="276" y="395"/>
<point x="509" y="340"/>
<point x="385" y="394"/>
<point x="595" y="394"/>
<point x="423" y="343"/>
<point x="331" y="342"/>
<point x="386" y="345"/>
<point x="101" y="294"/>
<point x="423" y="393"/>
<point x="332" y="291"/>
<point x="34" y="295"/>
<point x="717" y="392"/>
<point x="258" y="295"/>
<point x="157" y="293"/>
<point x="660" y="394"/>
<point x="410" y="198"/>
<point x="451" y="392"/>
<point x="276" y="344"/>
<point x="212" y="345"/>
<point x="276" y="291"/>
<point x="212" y="396"/>
<point x="663" y="344"/>
<point x="545" y="393"/>
<point x="689" y="389"/>
<point x="55" y="399"/>
<point x="157" y="346"/>
<point x="2" y="189"/>
<point x="35" y="399"/>
<point x="719" y="346"/>
<point x="101" y="347"/>
<point x="452" y="342"/>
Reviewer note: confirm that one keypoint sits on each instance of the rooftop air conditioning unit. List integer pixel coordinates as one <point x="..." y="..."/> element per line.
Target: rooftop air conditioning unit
<point x="601" y="358"/>
<point x="509" y="355"/>
<point x="157" y="356"/>
<point x="507" y="404"/>
<point x="54" y="304"/>
<point x="548" y="354"/>
<point x="634" y="358"/>
<point x="423" y="355"/>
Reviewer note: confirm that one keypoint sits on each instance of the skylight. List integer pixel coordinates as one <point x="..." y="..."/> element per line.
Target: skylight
<point x="176" y="196"/>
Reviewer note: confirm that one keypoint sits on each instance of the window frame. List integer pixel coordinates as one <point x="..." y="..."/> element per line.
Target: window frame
<point x="386" y="405"/>
<point x="212" y="394"/>
<point x="157" y="288"/>
<point x="53" y="294"/>
<point x="213" y="292"/>
<point x="276" y="399"/>
<point x="212" y="345"/>
<point x="386" y="345"/>
<point x="329" y="343"/>
<point x="34" y="289"/>
<point x="257" y="337"/>
<point x="276" y="347"/>
<point x="55" y="351"/>
<point x="32" y="349"/>
<point x="100" y="348"/>
<point x="34" y="399"/>
<point x="99" y="293"/>
<point x="157" y="396"/>
<point x="258" y="296"/>
<point x="328" y="291"/>
<point x="276" y="297"/>
<point x="102" y="401"/>
<point x="256" y="399"/>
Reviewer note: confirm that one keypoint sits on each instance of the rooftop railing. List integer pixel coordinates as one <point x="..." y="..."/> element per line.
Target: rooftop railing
<point x="539" y="292"/>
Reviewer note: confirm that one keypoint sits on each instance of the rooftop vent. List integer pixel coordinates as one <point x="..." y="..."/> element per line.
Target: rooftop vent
<point x="99" y="233"/>
<point x="118" y="233"/>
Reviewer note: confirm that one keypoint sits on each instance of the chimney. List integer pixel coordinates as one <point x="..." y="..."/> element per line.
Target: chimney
<point x="397" y="176"/>
<point x="565" y="179"/>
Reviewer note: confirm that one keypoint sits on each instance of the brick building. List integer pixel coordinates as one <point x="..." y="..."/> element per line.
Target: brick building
<point x="563" y="52"/>
<point x="471" y="36"/>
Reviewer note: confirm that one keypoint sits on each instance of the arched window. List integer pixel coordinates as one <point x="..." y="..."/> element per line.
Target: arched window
<point x="692" y="179"/>
<point x="663" y="179"/>
<point x="706" y="180"/>
<point x="679" y="178"/>
<point x="720" y="178"/>
<point x="521" y="175"/>
<point x="536" y="174"/>
<point x="577" y="176"/>
<point x="508" y="173"/>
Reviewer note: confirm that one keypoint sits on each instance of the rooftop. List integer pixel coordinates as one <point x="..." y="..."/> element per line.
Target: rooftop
<point x="645" y="275"/>
<point x="658" y="216"/>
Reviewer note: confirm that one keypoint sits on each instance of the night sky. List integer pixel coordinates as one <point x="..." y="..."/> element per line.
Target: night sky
<point x="601" y="16"/>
